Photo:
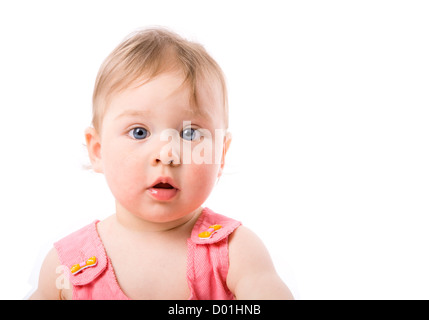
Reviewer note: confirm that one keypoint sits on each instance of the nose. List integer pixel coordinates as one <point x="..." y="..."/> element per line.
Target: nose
<point x="168" y="153"/>
<point x="170" y="161"/>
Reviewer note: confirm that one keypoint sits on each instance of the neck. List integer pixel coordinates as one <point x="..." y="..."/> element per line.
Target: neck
<point x="132" y="222"/>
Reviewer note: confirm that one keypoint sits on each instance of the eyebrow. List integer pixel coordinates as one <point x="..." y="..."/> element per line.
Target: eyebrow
<point x="140" y="113"/>
<point x="133" y="113"/>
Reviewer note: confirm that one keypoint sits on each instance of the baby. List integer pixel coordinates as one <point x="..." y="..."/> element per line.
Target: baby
<point x="159" y="136"/>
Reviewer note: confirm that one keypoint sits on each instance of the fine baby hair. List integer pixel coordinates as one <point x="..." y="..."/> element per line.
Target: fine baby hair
<point x="147" y="53"/>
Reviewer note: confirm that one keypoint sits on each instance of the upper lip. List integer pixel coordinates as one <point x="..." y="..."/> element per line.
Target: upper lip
<point x="164" y="180"/>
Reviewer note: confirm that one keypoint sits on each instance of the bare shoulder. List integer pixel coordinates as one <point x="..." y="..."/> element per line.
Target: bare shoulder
<point x="52" y="284"/>
<point x="251" y="272"/>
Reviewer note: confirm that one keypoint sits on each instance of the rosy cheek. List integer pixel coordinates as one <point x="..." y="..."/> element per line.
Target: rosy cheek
<point x="124" y="175"/>
<point x="202" y="177"/>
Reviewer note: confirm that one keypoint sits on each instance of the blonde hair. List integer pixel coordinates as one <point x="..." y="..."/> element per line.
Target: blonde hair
<point x="147" y="53"/>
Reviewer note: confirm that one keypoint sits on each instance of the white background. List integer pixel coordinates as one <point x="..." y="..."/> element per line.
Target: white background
<point x="329" y="103"/>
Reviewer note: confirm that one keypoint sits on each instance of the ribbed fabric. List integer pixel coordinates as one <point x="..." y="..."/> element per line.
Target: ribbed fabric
<point x="207" y="262"/>
<point x="93" y="283"/>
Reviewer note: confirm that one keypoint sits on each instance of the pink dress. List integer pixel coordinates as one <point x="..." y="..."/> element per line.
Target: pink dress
<point x="207" y="261"/>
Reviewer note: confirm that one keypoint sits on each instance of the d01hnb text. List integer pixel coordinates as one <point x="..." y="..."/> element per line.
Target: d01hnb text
<point x="233" y="309"/>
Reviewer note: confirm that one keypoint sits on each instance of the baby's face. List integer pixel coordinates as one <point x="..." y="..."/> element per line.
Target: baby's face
<point x="160" y="156"/>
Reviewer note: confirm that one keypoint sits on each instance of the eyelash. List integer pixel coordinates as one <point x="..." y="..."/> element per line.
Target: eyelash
<point x="131" y="133"/>
<point x="196" y="134"/>
<point x="195" y="131"/>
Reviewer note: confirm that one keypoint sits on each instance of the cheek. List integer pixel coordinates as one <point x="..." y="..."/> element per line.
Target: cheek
<point x="200" y="179"/>
<point x="124" y="174"/>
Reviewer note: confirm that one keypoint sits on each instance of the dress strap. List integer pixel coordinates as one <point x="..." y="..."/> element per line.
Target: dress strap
<point x="208" y="259"/>
<point x="83" y="254"/>
<point x="212" y="227"/>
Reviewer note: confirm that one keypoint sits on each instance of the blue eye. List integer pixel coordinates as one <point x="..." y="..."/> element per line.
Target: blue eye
<point x="190" y="134"/>
<point x="138" y="133"/>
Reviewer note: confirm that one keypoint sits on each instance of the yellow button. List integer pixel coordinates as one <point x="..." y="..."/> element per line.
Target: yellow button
<point x="75" y="268"/>
<point x="204" y="234"/>
<point x="91" y="261"/>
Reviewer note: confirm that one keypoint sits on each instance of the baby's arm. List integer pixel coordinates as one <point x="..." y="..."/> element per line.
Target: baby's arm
<point x="251" y="274"/>
<point x="47" y="288"/>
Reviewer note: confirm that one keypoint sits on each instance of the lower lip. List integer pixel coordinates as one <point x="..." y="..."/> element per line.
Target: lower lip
<point x="162" y="194"/>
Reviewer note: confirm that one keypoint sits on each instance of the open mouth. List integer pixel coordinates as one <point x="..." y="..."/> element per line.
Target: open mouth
<point x="163" y="185"/>
<point x="163" y="190"/>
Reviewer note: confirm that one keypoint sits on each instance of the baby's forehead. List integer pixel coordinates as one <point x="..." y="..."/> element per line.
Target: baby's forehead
<point x="183" y="112"/>
<point x="147" y="95"/>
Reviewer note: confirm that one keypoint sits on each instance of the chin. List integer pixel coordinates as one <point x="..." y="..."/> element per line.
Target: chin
<point x="159" y="214"/>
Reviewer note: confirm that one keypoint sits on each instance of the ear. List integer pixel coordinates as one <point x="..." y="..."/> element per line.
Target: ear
<point x="93" y="144"/>
<point x="226" y="142"/>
